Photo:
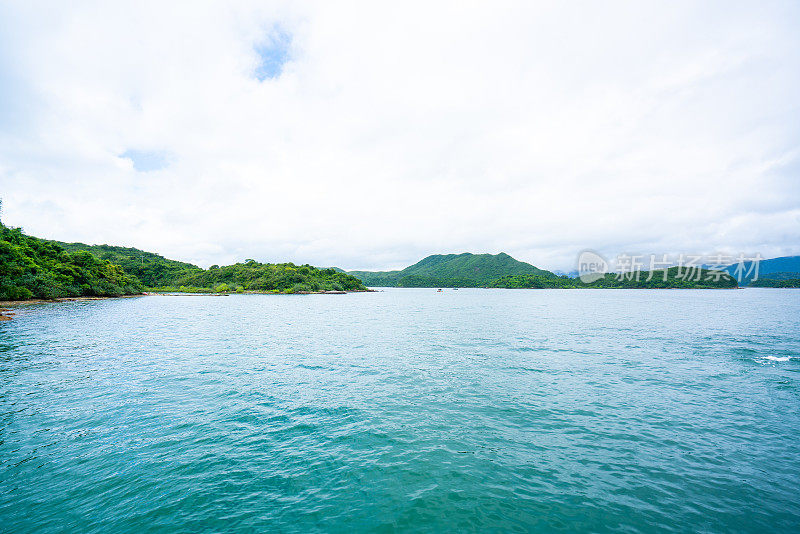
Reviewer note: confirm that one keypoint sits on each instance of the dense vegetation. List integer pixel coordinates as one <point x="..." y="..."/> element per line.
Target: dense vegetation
<point x="377" y="278"/>
<point x="266" y="277"/>
<point x="676" y="278"/>
<point x="153" y="270"/>
<point x="36" y="268"/>
<point x="775" y="282"/>
<point x="535" y="281"/>
<point x="159" y="273"/>
<point x="779" y="276"/>
<point x="452" y="270"/>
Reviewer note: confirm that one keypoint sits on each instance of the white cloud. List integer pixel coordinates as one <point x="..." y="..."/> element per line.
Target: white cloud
<point x="396" y="132"/>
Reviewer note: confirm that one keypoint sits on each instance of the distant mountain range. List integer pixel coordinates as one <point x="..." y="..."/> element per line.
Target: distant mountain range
<point x="783" y="268"/>
<point x="503" y="271"/>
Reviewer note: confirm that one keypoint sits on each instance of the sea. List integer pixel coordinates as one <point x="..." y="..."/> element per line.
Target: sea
<point x="404" y="410"/>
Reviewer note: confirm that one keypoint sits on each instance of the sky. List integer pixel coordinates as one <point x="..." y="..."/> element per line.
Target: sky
<point x="367" y="135"/>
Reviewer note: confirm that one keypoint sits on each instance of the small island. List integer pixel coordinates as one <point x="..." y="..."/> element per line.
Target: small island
<point x="254" y="277"/>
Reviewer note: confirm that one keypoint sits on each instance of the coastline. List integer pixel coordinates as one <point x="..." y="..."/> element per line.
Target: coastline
<point x="7" y="306"/>
<point x="227" y="293"/>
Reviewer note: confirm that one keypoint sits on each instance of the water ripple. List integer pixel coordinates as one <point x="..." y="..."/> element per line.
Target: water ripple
<point x="510" y="411"/>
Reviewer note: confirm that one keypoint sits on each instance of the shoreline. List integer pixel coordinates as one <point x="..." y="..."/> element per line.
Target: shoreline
<point x="227" y="293"/>
<point x="11" y="303"/>
<point x="7" y="306"/>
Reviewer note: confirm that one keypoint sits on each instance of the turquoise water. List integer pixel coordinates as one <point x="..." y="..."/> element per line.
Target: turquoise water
<point x="405" y="410"/>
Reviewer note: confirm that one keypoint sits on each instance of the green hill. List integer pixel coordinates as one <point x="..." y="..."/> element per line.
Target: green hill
<point x="153" y="270"/>
<point x="36" y="268"/>
<point x="266" y="277"/>
<point x="452" y="270"/>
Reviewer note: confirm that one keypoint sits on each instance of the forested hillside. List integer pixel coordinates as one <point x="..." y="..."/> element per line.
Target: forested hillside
<point x="153" y="270"/>
<point x="37" y="268"/>
<point x="377" y="278"/>
<point x="157" y="272"/>
<point x="776" y="282"/>
<point x="274" y="277"/>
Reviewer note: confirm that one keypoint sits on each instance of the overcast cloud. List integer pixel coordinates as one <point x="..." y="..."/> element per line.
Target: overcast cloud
<point x="368" y="135"/>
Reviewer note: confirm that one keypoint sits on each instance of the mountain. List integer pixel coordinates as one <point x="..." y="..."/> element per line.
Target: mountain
<point x="782" y="268"/>
<point x="152" y="269"/>
<point x="452" y="270"/>
<point x="36" y="268"/>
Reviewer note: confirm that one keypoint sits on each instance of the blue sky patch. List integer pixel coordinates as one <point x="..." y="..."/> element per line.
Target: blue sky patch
<point x="147" y="160"/>
<point x="273" y="53"/>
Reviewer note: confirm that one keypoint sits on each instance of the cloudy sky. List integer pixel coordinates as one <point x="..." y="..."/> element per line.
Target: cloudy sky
<point x="368" y="135"/>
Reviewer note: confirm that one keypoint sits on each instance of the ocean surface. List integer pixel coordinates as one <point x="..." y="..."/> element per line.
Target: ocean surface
<point x="404" y="410"/>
